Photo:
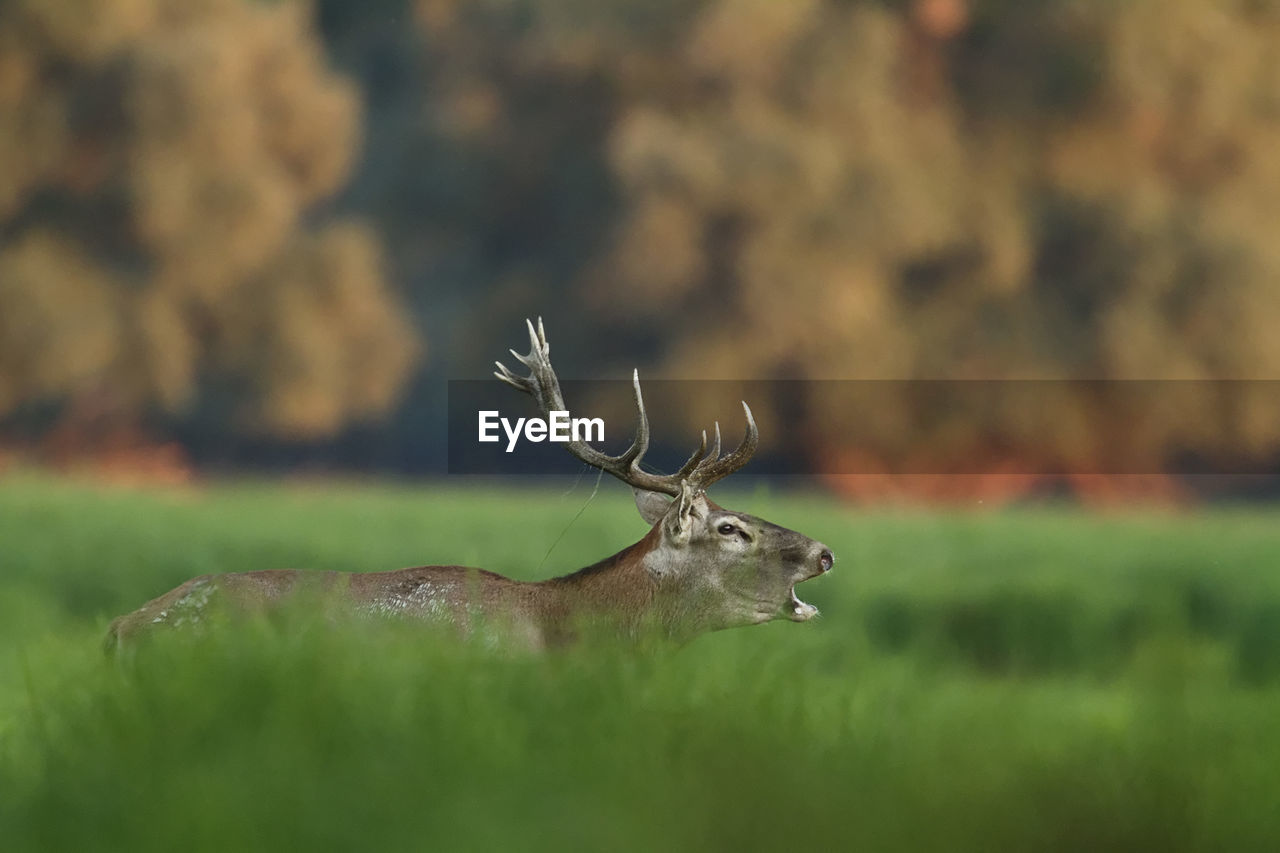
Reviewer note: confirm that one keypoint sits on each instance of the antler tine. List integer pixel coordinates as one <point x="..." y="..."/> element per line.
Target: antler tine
<point x="535" y="343"/>
<point x="640" y="444"/>
<point x="517" y="382"/>
<point x="538" y="348"/>
<point x="694" y="461"/>
<point x="543" y="385"/>
<point x="719" y="468"/>
<point x="708" y="461"/>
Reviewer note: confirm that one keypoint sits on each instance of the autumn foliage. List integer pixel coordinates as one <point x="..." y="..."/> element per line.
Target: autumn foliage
<point x="937" y="189"/>
<point x="159" y="164"/>
<point x="810" y="189"/>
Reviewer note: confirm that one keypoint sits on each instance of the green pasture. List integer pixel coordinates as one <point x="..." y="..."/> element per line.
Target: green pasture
<point x="1032" y="679"/>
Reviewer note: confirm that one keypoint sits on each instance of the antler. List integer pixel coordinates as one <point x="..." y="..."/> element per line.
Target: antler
<point x="700" y="471"/>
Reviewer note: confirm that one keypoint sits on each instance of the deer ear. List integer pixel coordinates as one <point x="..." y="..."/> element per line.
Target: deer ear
<point x="652" y="505"/>
<point x="679" y="517"/>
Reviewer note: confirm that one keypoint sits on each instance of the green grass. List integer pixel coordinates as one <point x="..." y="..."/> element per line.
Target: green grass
<point x="1031" y="680"/>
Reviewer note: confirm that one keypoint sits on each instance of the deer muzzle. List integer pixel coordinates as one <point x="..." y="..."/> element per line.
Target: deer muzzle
<point x="801" y="611"/>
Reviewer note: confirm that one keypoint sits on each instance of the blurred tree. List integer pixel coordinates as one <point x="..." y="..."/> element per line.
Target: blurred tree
<point x="1176" y="155"/>
<point x="906" y="189"/>
<point x="887" y="189"/>
<point x="159" y="163"/>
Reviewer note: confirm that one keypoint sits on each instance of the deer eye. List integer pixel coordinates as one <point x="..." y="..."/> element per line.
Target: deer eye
<point x="727" y="529"/>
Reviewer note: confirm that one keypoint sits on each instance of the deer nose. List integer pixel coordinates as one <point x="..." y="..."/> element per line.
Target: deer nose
<point x="826" y="559"/>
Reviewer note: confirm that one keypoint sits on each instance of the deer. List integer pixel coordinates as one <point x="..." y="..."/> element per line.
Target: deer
<point x="700" y="567"/>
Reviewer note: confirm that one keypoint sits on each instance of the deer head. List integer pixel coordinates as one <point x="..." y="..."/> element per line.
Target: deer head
<point x="709" y="567"/>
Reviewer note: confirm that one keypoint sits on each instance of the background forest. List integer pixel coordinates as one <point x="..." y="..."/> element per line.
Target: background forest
<point x="268" y="232"/>
<point x="977" y="250"/>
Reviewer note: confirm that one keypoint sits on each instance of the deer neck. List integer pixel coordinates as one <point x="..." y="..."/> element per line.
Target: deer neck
<point x="616" y="593"/>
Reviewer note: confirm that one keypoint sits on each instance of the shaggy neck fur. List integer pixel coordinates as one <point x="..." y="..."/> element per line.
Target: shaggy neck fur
<point x="616" y="592"/>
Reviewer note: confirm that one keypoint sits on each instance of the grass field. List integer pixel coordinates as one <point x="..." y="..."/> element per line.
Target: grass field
<point x="1029" y="680"/>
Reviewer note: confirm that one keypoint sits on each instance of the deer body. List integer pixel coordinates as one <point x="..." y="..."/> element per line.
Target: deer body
<point x="532" y="614"/>
<point x="700" y="567"/>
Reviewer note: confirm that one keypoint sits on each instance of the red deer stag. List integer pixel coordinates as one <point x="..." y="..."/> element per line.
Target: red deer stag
<point x="700" y="568"/>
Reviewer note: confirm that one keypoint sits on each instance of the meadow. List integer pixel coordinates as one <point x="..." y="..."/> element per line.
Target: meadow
<point x="1027" y="679"/>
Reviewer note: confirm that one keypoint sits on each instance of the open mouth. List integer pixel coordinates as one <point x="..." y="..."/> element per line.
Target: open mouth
<point x="797" y="610"/>
<point x="801" y="611"/>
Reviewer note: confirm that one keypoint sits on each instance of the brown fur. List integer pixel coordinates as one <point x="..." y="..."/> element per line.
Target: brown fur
<point x="682" y="579"/>
<point x="538" y="614"/>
